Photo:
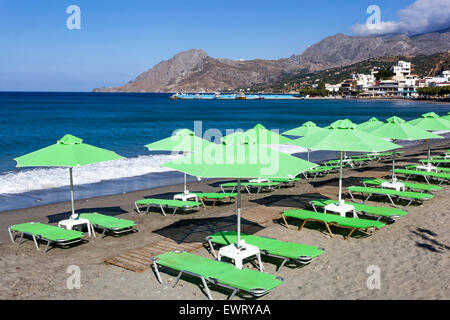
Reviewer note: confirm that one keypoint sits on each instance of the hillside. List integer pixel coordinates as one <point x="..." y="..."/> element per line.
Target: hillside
<point x="422" y="66"/>
<point x="195" y="71"/>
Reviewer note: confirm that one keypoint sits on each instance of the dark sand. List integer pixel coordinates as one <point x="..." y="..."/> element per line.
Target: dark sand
<point x="412" y="254"/>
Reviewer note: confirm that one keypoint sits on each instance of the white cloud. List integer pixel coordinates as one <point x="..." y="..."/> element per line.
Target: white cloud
<point x="420" y="17"/>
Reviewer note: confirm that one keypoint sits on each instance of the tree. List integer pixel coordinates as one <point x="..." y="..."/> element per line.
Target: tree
<point x="384" y="74"/>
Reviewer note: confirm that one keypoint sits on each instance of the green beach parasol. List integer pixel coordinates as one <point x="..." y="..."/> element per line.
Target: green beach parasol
<point x="431" y="122"/>
<point x="69" y="151"/>
<point x="259" y="134"/>
<point x="370" y="124"/>
<point x="183" y="140"/>
<point x="240" y="161"/>
<point x="305" y="129"/>
<point x="396" y="128"/>
<point x="342" y="136"/>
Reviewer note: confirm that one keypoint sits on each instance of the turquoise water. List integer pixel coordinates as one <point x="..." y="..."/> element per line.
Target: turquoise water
<point x="126" y="122"/>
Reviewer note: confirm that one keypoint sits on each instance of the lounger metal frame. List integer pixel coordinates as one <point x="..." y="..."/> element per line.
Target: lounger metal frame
<point x="255" y="292"/>
<point x="328" y="224"/>
<point x="184" y="208"/>
<point x="36" y="238"/>
<point x="389" y="197"/>
<point x="362" y="213"/>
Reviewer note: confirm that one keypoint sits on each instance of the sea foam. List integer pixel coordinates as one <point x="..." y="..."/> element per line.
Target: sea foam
<point x="30" y="179"/>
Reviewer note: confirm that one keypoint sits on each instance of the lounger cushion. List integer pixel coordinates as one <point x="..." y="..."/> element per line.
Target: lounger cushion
<point x="379" y="211"/>
<point x="251" y="184"/>
<point x="409" y="185"/>
<point x="107" y="222"/>
<point x="272" y="246"/>
<point x="392" y="192"/>
<point x="333" y="218"/>
<point x="218" y="195"/>
<point x="244" y="279"/>
<point x="168" y="202"/>
<point x="47" y="232"/>
<point x="439" y="175"/>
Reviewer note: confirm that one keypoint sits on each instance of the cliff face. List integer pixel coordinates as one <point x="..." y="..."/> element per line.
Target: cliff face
<point x="195" y="71"/>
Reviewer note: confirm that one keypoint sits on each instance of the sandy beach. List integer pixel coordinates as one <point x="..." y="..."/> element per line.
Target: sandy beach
<point x="412" y="254"/>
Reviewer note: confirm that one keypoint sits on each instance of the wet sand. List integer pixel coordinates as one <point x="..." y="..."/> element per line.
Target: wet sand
<point x="412" y="254"/>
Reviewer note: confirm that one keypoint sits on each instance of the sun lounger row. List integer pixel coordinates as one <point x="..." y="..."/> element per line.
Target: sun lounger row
<point x="167" y="203"/>
<point x="250" y="185"/>
<point x="437" y="169"/>
<point x="53" y="235"/>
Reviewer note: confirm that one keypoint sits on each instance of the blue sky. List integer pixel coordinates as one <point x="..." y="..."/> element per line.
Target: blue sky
<point x="120" y="39"/>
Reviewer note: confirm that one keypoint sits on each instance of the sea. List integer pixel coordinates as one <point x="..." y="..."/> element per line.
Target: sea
<point x="126" y="122"/>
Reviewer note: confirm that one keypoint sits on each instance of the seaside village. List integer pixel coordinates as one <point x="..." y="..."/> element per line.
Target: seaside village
<point x="402" y="84"/>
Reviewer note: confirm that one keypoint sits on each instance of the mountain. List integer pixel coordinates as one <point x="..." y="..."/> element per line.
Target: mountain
<point x="195" y="71"/>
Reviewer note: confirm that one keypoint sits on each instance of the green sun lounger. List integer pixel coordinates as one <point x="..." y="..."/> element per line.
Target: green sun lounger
<point x="408" y="185"/>
<point x="109" y="224"/>
<point x="285" y="181"/>
<point x="390" y="194"/>
<point x="319" y="171"/>
<point x="378" y="212"/>
<point x="362" y="225"/>
<point x="345" y="162"/>
<point x="218" y="273"/>
<point x="299" y="253"/>
<point x="167" y="203"/>
<point x="215" y="197"/>
<point x="44" y="232"/>
<point x="438" y="169"/>
<point x="439" y="176"/>
<point x="436" y="161"/>
<point x="249" y="185"/>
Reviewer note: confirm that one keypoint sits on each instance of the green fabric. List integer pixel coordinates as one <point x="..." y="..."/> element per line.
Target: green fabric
<point x="397" y="129"/>
<point x="344" y="136"/>
<point x="243" y="279"/>
<point x="69" y="151"/>
<point x="272" y="246"/>
<point x="241" y="161"/>
<point x="378" y="211"/>
<point x="343" y="221"/>
<point x="107" y="222"/>
<point x="47" y="232"/>
<point x="183" y="140"/>
<point x="370" y="125"/>
<point x="392" y="192"/>
<point x="218" y="195"/>
<point x="436" y="160"/>
<point x="432" y="122"/>
<point x="169" y="203"/>
<point x="250" y="184"/>
<point x="284" y="180"/>
<point x="409" y="185"/>
<point x="304" y="130"/>
<point x="258" y="134"/>
<point x="414" y="166"/>
<point x="440" y="175"/>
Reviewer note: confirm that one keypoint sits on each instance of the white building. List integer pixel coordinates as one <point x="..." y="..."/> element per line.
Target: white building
<point x="332" y="87"/>
<point x="363" y="81"/>
<point x="401" y="69"/>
